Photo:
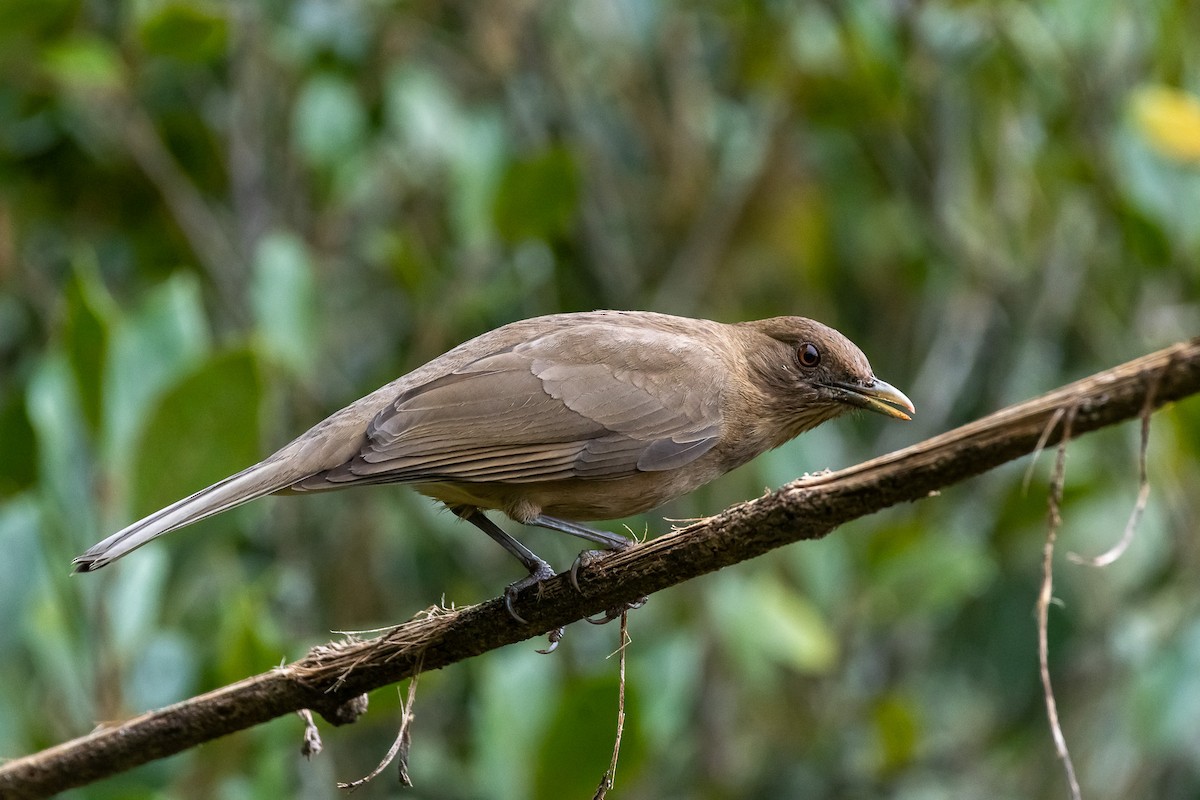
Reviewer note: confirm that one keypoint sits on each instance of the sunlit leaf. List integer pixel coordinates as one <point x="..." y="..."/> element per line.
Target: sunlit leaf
<point x="329" y="120"/>
<point x="898" y="732"/>
<point x="84" y="63"/>
<point x="1169" y="119"/>
<point x="793" y="631"/>
<point x="765" y="622"/>
<point x="285" y="301"/>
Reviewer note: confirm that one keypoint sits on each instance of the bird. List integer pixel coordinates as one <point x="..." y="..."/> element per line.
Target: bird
<point x="561" y="419"/>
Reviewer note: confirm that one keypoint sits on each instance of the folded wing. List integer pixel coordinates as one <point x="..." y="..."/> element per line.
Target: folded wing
<point x="592" y="401"/>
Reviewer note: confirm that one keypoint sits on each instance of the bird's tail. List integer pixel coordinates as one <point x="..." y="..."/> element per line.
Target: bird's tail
<point x="261" y="479"/>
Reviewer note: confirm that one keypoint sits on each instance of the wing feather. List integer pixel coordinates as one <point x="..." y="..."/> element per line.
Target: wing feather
<point x="593" y="401"/>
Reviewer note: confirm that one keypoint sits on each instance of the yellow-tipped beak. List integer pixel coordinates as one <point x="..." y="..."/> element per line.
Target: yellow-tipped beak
<point x="880" y="397"/>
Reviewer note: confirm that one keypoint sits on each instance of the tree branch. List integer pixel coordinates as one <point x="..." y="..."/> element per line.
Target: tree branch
<point x="331" y="678"/>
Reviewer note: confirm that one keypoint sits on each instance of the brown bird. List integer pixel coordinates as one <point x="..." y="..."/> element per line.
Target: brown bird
<point x="562" y="418"/>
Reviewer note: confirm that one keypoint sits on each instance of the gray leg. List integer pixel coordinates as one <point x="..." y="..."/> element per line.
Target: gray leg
<point x="613" y="541"/>
<point x="539" y="570"/>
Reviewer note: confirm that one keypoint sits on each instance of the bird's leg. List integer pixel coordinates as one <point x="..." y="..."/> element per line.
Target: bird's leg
<point x="539" y="570"/>
<point x="611" y="541"/>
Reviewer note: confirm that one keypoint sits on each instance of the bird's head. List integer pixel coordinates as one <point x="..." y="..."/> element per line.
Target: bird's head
<point x="810" y="373"/>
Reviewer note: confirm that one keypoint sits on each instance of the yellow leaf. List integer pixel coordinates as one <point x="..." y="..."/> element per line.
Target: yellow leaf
<point x="1169" y="119"/>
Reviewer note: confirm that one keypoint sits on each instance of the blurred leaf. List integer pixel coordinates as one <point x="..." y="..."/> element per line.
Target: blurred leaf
<point x="577" y="746"/>
<point x="329" y="120"/>
<point x="188" y="31"/>
<point x="205" y="428"/>
<point x="84" y="64"/>
<point x="166" y="336"/>
<point x="787" y="628"/>
<point x="137" y="601"/>
<point x="18" y="468"/>
<point x="475" y="165"/>
<point x="420" y="109"/>
<point x="516" y="697"/>
<point x="28" y="20"/>
<point x="1166" y="694"/>
<point x="913" y="576"/>
<point x="64" y="472"/>
<point x="1169" y="119"/>
<point x="163" y="671"/>
<point x="671" y="664"/>
<point x="538" y="197"/>
<point x="898" y="732"/>
<point x="249" y="639"/>
<point x="86" y="337"/>
<point x="795" y="633"/>
<point x="59" y="656"/>
<point x="20" y="533"/>
<point x="285" y="301"/>
<point x="1166" y="193"/>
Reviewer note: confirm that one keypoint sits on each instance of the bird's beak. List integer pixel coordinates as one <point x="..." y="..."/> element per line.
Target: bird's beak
<point x="877" y="396"/>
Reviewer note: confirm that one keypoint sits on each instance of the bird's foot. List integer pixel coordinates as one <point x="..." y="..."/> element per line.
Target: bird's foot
<point x="586" y="559"/>
<point x="536" y="576"/>
<point x="541" y="571"/>
<point x="589" y="557"/>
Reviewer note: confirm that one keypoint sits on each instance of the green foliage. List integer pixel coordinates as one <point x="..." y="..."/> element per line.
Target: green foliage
<point x="86" y="334"/>
<point x="284" y="301"/>
<point x="576" y="747"/>
<point x="329" y="121"/>
<point x="151" y="349"/>
<point x="537" y="198"/>
<point x="220" y="222"/>
<point x="18" y="469"/>
<point x="203" y="429"/>
<point x="83" y="64"/>
<point x="183" y="31"/>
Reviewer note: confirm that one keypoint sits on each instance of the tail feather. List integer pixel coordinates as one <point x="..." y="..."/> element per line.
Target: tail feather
<point x="249" y="484"/>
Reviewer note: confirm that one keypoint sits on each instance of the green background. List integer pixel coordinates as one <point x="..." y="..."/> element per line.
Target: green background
<point x="219" y="222"/>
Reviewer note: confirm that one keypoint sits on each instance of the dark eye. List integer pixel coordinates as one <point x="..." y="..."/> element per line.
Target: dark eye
<point x="808" y="355"/>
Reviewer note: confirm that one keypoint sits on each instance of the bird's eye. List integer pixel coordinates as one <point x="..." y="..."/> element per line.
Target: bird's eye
<point x="808" y="355"/>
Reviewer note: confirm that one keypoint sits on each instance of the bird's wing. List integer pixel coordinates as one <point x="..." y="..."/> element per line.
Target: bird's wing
<point x="589" y="402"/>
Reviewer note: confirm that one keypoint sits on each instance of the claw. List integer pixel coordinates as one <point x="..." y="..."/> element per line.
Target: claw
<point x="608" y="617"/>
<point x="553" y="638"/>
<point x="584" y="560"/>
<point x="542" y="572"/>
<point x="509" y="594"/>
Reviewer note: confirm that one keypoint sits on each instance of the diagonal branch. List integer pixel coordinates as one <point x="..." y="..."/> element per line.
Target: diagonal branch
<point x="331" y="678"/>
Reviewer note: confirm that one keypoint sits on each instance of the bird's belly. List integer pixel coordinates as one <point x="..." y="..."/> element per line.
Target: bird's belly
<point x="574" y="499"/>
